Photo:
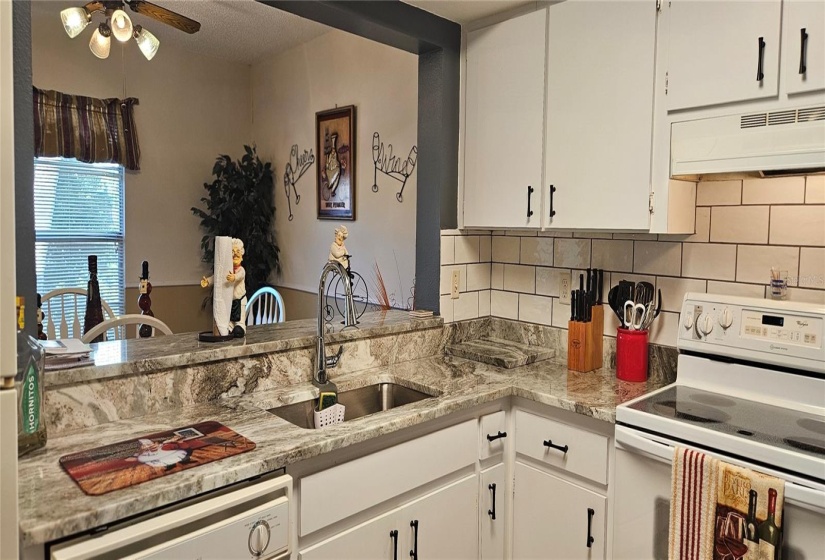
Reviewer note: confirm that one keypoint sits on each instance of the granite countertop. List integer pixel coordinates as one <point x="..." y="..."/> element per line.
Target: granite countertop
<point x="128" y="357"/>
<point x="52" y="506"/>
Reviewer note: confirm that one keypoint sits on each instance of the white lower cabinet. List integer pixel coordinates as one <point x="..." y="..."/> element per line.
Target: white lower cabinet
<point x="492" y="511"/>
<point x="441" y="525"/>
<point x="553" y="518"/>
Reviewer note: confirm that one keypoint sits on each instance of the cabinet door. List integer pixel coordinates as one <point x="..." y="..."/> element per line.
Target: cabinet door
<point x="600" y="73"/>
<point x="447" y="523"/>
<point x="504" y="123"/>
<point x="714" y="51"/>
<point x="550" y="518"/>
<point x="804" y="45"/>
<point x="371" y="540"/>
<point x="493" y="499"/>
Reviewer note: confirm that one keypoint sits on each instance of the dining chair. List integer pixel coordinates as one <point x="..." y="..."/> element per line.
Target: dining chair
<point x="55" y="305"/>
<point x="117" y="323"/>
<point x="268" y="307"/>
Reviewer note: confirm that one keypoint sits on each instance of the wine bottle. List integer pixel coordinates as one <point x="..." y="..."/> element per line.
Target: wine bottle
<point x="28" y="380"/>
<point x="753" y="525"/>
<point x="770" y="536"/>
<point x="94" y="307"/>
<point x="144" y="301"/>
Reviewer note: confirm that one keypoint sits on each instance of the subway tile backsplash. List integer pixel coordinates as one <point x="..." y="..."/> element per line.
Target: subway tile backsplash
<point x="743" y="228"/>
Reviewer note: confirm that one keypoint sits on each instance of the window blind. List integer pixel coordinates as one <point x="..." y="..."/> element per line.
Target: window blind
<point x="79" y="211"/>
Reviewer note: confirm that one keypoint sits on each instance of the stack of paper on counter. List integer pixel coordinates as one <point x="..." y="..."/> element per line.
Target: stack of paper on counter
<point x="66" y="353"/>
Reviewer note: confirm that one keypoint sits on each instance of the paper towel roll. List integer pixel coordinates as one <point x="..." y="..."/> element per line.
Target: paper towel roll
<point x="222" y="290"/>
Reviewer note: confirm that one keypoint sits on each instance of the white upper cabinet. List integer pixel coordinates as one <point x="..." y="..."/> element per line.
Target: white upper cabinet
<point x="803" y="45"/>
<point x="504" y="123"/>
<point x="600" y="78"/>
<point x="723" y="51"/>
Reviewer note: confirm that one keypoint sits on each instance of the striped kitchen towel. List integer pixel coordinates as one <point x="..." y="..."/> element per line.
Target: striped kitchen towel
<point x="692" y="505"/>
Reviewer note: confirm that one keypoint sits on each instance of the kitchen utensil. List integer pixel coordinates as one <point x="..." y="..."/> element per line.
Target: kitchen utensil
<point x="631" y="355"/>
<point x="614" y="302"/>
<point x="634" y="315"/>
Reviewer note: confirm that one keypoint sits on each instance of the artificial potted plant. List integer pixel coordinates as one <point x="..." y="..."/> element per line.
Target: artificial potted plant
<point x="240" y="204"/>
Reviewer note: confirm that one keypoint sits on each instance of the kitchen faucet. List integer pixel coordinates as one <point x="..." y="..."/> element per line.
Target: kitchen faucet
<point x="322" y="362"/>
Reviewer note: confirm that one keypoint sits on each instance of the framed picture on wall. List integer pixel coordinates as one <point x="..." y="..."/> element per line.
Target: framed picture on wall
<point x="335" y="146"/>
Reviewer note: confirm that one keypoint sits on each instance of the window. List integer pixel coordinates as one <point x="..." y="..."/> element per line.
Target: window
<point x="78" y="211"/>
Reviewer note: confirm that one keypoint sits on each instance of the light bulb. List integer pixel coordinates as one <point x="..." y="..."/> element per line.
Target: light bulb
<point x="101" y="41"/>
<point x="121" y="26"/>
<point x="147" y="43"/>
<point x="75" y="20"/>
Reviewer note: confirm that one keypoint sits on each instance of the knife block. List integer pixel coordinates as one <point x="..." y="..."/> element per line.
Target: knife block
<point x="580" y="346"/>
<point x="596" y="326"/>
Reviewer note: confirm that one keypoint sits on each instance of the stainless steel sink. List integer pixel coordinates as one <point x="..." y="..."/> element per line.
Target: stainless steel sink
<point x="359" y="402"/>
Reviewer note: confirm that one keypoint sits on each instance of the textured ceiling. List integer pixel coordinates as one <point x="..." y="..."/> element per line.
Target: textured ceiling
<point x="239" y="30"/>
<point x="466" y="11"/>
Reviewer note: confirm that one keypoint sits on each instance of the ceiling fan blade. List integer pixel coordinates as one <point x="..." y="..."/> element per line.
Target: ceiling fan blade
<point x="163" y="15"/>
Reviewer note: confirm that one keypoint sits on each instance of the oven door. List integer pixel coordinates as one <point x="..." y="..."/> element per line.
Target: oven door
<point x="641" y="501"/>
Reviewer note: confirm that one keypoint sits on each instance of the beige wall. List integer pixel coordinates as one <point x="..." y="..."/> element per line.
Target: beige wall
<point x="743" y="228"/>
<point x="382" y="82"/>
<point x="180" y="307"/>
<point x="191" y="109"/>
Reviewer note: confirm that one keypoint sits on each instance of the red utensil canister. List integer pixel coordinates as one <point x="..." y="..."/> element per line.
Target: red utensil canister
<point x="631" y="355"/>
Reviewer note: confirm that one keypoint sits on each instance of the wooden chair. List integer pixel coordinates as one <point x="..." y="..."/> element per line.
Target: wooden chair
<point x="57" y="301"/>
<point x="269" y="307"/>
<point x="117" y="323"/>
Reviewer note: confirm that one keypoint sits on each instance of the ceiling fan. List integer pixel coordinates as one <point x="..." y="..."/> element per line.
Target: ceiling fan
<point x="119" y="25"/>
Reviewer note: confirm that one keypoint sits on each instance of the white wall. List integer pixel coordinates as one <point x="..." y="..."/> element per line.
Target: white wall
<point x="191" y="109"/>
<point x="382" y="82"/>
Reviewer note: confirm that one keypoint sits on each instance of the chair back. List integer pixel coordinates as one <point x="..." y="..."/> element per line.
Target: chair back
<point x="117" y="323"/>
<point x="63" y="307"/>
<point x="266" y="306"/>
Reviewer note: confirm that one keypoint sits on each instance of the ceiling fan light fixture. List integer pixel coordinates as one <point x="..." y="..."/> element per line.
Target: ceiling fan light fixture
<point x="75" y="20"/>
<point x="147" y="43"/>
<point x="121" y="26"/>
<point x="101" y="41"/>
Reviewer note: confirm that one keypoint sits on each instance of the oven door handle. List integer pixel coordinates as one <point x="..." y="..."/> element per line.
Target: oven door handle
<point x="629" y="440"/>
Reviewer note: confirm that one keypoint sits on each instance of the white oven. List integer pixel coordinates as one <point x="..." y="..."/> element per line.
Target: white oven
<point x="249" y="521"/>
<point x="758" y="403"/>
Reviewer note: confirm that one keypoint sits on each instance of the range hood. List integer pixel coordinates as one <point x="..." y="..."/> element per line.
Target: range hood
<point x="771" y="142"/>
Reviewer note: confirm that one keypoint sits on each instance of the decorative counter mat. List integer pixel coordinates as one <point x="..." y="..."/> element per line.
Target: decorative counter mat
<point x="112" y="467"/>
<point x="499" y="352"/>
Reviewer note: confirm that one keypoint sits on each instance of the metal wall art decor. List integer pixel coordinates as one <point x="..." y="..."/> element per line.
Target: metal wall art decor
<point x="294" y="170"/>
<point x="392" y="166"/>
<point x="335" y="145"/>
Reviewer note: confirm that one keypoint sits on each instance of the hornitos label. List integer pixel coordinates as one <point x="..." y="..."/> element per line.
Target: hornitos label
<point x="30" y="399"/>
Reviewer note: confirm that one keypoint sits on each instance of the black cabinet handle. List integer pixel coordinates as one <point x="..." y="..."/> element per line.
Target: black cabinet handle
<point x="394" y="537"/>
<point x="803" y="51"/>
<point x="549" y="443"/>
<point x="414" y="551"/>
<point x="552" y="191"/>
<point x="759" y="74"/>
<point x="529" y="197"/>
<point x="590" y="513"/>
<point x="497" y="436"/>
<point x="492" y="512"/>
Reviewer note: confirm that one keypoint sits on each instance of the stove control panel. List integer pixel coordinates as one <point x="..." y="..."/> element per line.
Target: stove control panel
<point x="780" y="332"/>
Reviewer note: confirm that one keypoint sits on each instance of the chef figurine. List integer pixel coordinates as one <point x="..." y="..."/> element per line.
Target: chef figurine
<point x="337" y="251"/>
<point x="237" y="317"/>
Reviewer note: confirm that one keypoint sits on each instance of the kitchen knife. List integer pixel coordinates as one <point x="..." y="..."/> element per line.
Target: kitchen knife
<point x="589" y="286"/>
<point x="572" y="305"/>
<point x="600" y="285"/>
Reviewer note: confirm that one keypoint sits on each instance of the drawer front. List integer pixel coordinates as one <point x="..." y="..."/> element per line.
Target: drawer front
<point x="586" y="453"/>
<point x="339" y="492"/>
<point x="493" y="434"/>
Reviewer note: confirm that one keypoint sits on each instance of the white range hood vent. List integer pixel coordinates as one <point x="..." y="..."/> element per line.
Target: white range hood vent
<point x="772" y="142"/>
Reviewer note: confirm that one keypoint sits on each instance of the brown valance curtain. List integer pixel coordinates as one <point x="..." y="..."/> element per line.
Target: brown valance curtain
<point x="88" y="129"/>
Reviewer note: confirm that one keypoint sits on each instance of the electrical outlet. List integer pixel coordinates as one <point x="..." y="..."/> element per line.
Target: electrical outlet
<point x="564" y="289"/>
<point x="454" y="285"/>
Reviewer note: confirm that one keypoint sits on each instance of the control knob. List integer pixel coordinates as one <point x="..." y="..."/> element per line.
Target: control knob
<point x="726" y="319"/>
<point x="259" y="538"/>
<point x="688" y="321"/>
<point x="705" y="325"/>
